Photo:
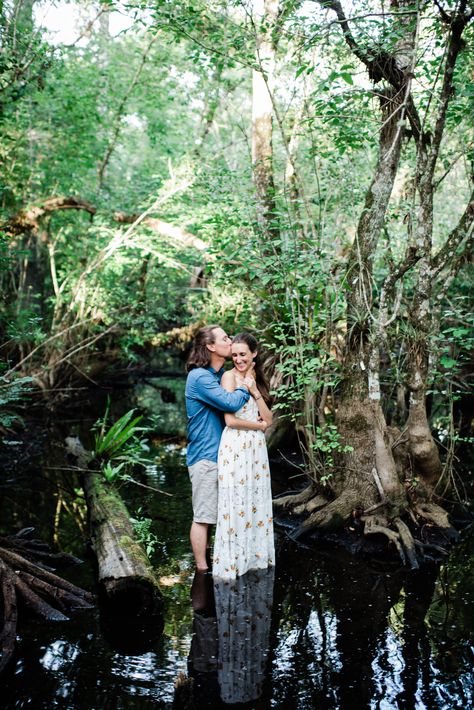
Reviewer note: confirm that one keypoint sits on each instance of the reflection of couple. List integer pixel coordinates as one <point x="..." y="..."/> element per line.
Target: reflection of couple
<point x="231" y="630"/>
<point x="228" y="466"/>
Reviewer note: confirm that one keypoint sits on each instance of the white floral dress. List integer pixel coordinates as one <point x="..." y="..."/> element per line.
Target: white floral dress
<point x="244" y="531"/>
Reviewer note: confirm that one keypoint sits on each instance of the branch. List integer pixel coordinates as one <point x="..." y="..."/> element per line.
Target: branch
<point x="175" y="234"/>
<point x="443" y="12"/>
<point x="49" y="340"/>
<point x="455" y="238"/>
<point x="336" y="6"/>
<point x="88" y="28"/>
<point x="380" y="64"/>
<point x="412" y="255"/>
<point x="461" y="154"/>
<point x="458" y="24"/>
<point x="29" y="218"/>
<point x="455" y="265"/>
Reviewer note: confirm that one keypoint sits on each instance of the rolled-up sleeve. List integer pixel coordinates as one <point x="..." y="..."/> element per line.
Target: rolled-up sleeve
<point x="209" y="390"/>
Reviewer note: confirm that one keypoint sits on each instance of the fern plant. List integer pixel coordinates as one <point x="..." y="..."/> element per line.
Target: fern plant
<point x="12" y="392"/>
<point x="119" y="446"/>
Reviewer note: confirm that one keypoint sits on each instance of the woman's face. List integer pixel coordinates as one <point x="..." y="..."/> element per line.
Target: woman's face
<point x="242" y="356"/>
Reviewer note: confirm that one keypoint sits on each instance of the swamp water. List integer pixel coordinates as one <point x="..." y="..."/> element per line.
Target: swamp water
<point x="322" y="630"/>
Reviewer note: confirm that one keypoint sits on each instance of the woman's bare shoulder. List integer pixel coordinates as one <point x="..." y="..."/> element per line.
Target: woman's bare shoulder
<point x="228" y="377"/>
<point x="228" y="380"/>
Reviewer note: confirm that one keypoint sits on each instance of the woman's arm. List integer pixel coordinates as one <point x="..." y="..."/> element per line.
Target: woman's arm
<point x="263" y="409"/>
<point x="228" y="383"/>
<point x="235" y="423"/>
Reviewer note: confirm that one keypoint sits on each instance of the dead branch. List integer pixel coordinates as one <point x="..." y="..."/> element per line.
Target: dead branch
<point x="175" y="234"/>
<point x="29" y="220"/>
<point x="23" y="575"/>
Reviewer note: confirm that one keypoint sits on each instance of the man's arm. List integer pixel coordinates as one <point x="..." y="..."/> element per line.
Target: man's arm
<point x="208" y="390"/>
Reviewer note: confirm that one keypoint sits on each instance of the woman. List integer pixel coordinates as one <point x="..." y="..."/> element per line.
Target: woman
<point x="244" y="532"/>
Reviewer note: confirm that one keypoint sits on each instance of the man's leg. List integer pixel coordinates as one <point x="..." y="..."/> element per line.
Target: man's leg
<point x="203" y="476"/>
<point x="198" y="537"/>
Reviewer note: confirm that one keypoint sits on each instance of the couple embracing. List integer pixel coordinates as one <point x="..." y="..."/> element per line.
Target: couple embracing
<point x="228" y="414"/>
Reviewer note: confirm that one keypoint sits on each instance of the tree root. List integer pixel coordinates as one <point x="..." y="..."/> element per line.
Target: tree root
<point x="407" y="541"/>
<point x="434" y="514"/>
<point x="379" y="518"/>
<point x="401" y="538"/>
<point x="378" y="525"/>
<point x="37" y="550"/>
<point x="313" y="504"/>
<point x="10" y="615"/>
<point x="333" y="516"/>
<point x="293" y="499"/>
<point x="40" y="590"/>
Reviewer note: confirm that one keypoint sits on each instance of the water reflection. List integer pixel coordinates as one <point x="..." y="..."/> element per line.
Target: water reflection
<point x="59" y="655"/>
<point x="231" y="630"/>
<point x="351" y="633"/>
<point x="343" y="632"/>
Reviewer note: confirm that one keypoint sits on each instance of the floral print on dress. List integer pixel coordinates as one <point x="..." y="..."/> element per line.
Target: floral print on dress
<point x="244" y="531"/>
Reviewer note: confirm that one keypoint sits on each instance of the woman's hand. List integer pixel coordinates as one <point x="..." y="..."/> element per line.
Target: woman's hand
<point x="263" y="426"/>
<point x="253" y="389"/>
<point x="248" y="381"/>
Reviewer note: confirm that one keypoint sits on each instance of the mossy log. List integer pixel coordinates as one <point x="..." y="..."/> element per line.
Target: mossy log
<point x="124" y="568"/>
<point x="125" y="572"/>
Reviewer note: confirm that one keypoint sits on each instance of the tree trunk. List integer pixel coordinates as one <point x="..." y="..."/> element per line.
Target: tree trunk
<point x="368" y="483"/>
<point x="125" y="572"/>
<point x="423" y="449"/>
<point x="360" y="420"/>
<point x="262" y="120"/>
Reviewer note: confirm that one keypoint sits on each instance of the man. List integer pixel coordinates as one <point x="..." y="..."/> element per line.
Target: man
<point x="206" y="402"/>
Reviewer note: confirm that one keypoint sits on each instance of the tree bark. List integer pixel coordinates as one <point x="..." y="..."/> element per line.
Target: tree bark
<point x="423" y="449"/>
<point x="124" y="568"/>
<point x="262" y="119"/>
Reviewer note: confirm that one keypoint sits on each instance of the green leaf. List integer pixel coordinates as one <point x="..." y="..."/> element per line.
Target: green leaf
<point x="347" y="78"/>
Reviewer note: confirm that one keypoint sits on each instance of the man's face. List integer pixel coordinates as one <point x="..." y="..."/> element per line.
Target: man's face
<point x="222" y="343"/>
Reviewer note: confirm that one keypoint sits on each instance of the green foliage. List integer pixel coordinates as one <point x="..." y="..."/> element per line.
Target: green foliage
<point x="156" y="121"/>
<point x="145" y="535"/>
<point x="119" y="445"/>
<point x="112" y="473"/>
<point x="13" y="392"/>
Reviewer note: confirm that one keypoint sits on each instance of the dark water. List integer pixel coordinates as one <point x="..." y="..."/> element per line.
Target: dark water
<point x="322" y="630"/>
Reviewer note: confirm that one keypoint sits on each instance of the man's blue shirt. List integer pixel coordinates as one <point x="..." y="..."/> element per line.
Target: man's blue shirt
<point x="206" y="401"/>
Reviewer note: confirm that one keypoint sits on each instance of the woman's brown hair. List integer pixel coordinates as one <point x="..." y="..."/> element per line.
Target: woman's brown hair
<point x="260" y="378"/>
<point x="200" y="356"/>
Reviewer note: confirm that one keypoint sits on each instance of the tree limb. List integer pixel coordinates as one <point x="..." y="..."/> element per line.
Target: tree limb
<point x="455" y="238"/>
<point x="29" y="218"/>
<point x="380" y="64"/>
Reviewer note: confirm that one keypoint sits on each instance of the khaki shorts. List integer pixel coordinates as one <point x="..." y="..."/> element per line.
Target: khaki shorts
<point x="203" y="475"/>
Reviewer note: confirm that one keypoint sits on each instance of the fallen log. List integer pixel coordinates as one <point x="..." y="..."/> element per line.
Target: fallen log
<point x="25" y="576"/>
<point x="125" y="573"/>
